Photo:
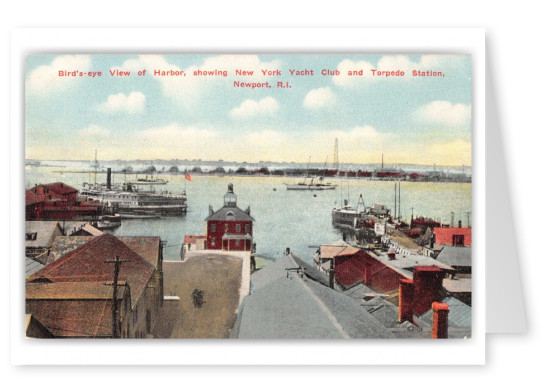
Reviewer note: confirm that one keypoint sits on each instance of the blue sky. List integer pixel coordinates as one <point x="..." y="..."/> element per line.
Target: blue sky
<point x="412" y="120"/>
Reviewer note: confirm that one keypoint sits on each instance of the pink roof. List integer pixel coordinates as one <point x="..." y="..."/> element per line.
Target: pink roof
<point x="191" y="239"/>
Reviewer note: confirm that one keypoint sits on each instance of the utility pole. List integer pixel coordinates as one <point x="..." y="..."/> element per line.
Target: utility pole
<point x="115" y="311"/>
<point x="332" y="273"/>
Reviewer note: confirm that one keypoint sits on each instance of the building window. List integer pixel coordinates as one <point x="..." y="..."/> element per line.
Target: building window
<point x="238" y="228"/>
<point x="212" y="241"/>
<point x="31" y="236"/>
<point x="458" y="240"/>
<point x="247" y="228"/>
<point x="213" y="228"/>
<point x="226" y="228"/>
<point x="237" y="242"/>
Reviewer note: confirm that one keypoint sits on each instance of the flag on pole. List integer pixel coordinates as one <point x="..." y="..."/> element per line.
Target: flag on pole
<point x="188" y="176"/>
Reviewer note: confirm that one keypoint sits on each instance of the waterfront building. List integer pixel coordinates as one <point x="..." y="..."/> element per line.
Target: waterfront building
<point x="57" y="201"/>
<point x="230" y="228"/>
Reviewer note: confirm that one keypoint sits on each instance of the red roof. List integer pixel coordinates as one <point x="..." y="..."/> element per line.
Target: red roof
<point x="60" y="188"/>
<point x="31" y="198"/>
<point x="87" y="264"/>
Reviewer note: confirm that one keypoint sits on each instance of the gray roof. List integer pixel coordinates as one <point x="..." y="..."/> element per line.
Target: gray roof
<point x="455" y="256"/>
<point x="72" y="227"/>
<point x="313" y="272"/>
<point x="222" y="214"/>
<point x="459" y="316"/>
<point x="32" y="266"/>
<point x="404" y="263"/>
<point x="458" y="285"/>
<point x="359" y="291"/>
<point x="45" y="230"/>
<point x="284" y="304"/>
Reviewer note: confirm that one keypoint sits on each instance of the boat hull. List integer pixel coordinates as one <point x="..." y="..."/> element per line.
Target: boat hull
<point x="311" y="187"/>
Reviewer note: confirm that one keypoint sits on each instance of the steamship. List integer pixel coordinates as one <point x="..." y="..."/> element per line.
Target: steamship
<point x="133" y="202"/>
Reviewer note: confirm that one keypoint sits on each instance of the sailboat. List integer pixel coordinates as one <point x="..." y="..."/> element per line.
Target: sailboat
<point x="311" y="183"/>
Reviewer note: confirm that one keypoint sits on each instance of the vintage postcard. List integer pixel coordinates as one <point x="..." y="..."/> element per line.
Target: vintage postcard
<point x="248" y="196"/>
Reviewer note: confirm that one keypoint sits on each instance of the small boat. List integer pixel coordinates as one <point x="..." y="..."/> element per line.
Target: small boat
<point x="147" y="181"/>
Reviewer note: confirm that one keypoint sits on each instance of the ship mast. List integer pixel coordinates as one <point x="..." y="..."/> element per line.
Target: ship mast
<point x="95" y="165"/>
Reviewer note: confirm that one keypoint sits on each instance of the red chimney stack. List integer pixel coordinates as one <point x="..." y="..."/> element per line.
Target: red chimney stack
<point x="427" y="281"/>
<point x="405" y="301"/>
<point x="440" y="320"/>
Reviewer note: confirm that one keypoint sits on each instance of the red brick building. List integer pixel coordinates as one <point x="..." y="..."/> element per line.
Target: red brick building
<point x="230" y="228"/>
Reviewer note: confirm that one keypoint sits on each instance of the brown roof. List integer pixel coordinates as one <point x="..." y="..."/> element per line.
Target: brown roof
<point x="87" y="264"/>
<point x="146" y="246"/>
<point x="331" y="251"/>
<point x="74" y="318"/>
<point x="72" y="290"/>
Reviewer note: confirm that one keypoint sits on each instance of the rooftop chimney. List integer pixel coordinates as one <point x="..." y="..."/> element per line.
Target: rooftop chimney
<point x="211" y="211"/>
<point x="405" y="301"/>
<point x="427" y="281"/>
<point x="392" y="255"/>
<point x="440" y="320"/>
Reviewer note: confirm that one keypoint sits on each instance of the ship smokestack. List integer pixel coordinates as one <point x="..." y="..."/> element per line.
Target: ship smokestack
<point x="108" y="179"/>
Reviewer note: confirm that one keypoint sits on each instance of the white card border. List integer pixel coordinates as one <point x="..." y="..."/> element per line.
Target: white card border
<point x="246" y="40"/>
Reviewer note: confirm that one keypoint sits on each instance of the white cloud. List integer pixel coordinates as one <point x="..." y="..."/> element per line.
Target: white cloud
<point x="319" y="97"/>
<point x="45" y="79"/>
<point x="251" y="108"/>
<point x="176" y="136"/>
<point x="444" y="113"/>
<point x="132" y="104"/>
<point x="188" y="90"/>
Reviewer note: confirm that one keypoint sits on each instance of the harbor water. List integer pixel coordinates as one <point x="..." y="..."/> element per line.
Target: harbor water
<point x="300" y="220"/>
